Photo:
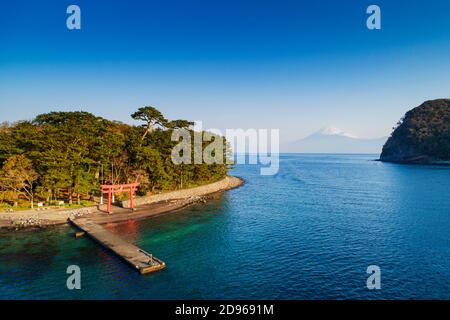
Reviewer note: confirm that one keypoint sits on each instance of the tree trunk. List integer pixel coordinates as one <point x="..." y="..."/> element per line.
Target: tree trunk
<point x="149" y="129"/>
<point x="70" y="196"/>
<point x="97" y="173"/>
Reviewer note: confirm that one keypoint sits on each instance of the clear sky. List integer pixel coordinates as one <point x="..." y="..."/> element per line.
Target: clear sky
<point x="293" y="65"/>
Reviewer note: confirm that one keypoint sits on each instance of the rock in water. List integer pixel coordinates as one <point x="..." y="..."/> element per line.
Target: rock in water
<point x="422" y="136"/>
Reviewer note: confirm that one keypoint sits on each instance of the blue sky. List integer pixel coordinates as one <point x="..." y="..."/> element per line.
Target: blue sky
<point x="293" y="65"/>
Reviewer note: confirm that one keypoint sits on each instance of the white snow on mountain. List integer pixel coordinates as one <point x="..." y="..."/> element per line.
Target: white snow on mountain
<point x="334" y="131"/>
<point x="334" y="140"/>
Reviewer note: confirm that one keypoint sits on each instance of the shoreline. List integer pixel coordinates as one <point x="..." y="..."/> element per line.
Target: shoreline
<point x="424" y="163"/>
<point x="147" y="206"/>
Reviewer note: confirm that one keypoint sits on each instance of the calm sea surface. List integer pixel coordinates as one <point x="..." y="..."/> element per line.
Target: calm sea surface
<point x="309" y="232"/>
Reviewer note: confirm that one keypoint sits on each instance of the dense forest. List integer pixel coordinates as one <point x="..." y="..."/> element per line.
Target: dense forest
<point x="67" y="155"/>
<point x="423" y="135"/>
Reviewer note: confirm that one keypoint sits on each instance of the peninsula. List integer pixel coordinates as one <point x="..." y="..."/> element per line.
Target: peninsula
<point x="52" y="167"/>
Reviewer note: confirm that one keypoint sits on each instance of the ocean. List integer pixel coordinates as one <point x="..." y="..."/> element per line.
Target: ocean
<point x="309" y="232"/>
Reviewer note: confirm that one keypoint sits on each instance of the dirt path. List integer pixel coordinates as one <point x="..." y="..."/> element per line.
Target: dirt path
<point x="145" y="207"/>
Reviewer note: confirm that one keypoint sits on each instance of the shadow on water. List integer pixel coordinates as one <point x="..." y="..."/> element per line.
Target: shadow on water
<point x="22" y="249"/>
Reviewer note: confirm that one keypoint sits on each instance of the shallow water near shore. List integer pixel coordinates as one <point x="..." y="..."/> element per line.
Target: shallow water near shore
<point x="310" y="232"/>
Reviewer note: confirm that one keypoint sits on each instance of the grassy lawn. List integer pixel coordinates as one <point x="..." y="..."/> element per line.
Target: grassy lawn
<point x="21" y="207"/>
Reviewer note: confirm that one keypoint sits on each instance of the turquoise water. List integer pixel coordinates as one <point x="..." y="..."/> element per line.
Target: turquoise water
<point x="309" y="232"/>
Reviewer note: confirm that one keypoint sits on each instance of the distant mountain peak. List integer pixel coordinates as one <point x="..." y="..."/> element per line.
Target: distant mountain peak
<point x="334" y="140"/>
<point x="335" y="131"/>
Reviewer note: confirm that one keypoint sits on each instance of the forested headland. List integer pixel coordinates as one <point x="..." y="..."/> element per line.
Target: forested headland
<point x="68" y="155"/>
<point x="422" y="135"/>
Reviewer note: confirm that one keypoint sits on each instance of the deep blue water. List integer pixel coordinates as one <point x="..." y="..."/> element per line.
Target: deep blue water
<point x="309" y="232"/>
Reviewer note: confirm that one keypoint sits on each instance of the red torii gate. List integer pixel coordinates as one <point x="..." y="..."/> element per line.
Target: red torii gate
<point x="111" y="189"/>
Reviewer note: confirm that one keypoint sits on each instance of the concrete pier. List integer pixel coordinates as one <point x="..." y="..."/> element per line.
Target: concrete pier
<point x="139" y="259"/>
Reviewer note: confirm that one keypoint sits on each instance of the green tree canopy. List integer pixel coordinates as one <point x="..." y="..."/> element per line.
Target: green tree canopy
<point x="69" y="154"/>
<point x="151" y="116"/>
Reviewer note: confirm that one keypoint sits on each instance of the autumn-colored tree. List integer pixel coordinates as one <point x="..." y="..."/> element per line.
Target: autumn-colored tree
<point x="18" y="176"/>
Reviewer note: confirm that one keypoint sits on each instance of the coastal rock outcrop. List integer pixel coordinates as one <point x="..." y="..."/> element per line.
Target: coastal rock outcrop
<point x="422" y="136"/>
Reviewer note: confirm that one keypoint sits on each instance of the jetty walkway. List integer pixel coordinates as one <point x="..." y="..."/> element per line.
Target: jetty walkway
<point x="142" y="261"/>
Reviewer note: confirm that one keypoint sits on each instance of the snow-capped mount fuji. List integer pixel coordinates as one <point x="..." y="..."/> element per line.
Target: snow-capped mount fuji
<point x="334" y="131"/>
<point x="334" y="140"/>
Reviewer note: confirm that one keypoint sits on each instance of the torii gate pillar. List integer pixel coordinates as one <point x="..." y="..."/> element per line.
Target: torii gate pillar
<point x="112" y="189"/>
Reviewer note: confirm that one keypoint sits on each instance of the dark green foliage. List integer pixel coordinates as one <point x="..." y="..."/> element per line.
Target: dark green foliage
<point x="152" y="117"/>
<point x="179" y="124"/>
<point x="422" y="135"/>
<point x="73" y="153"/>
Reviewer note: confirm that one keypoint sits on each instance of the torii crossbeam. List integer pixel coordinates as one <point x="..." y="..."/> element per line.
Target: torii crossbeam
<point x="111" y="189"/>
